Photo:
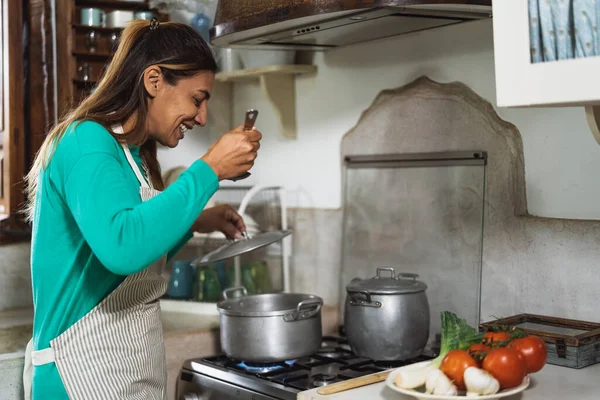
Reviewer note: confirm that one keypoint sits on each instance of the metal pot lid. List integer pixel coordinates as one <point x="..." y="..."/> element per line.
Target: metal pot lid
<point x="242" y="246"/>
<point x="393" y="284"/>
<point x="269" y="305"/>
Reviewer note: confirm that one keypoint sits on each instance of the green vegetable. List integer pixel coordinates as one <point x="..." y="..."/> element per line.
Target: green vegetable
<point x="456" y="335"/>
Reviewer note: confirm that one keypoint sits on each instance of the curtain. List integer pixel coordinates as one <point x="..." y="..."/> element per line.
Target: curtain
<point x="563" y="29"/>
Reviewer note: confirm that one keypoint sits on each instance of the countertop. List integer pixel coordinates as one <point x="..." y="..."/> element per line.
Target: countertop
<point x="551" y="383"/>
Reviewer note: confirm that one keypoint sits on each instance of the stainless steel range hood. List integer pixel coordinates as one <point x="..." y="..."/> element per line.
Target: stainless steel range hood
<point x="327" y="24"/>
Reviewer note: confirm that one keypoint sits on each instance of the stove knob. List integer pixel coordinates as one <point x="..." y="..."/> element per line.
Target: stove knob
<point x="191" y="396"/>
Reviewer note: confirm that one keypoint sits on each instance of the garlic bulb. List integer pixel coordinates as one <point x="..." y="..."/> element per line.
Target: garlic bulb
<point x="438" y="383"/>
<point x="480" y="382"/>
<point x="412" y="378"/>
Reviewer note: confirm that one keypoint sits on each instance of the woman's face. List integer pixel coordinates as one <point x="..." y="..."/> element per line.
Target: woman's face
<point x="173" y="110"/>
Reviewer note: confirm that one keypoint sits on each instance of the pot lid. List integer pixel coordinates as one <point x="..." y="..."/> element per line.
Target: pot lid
<point x="392" y="284"/>
<point x="242" y="246"/>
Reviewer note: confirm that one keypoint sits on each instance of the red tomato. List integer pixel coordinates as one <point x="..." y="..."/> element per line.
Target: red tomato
<point x="507" y="366"/>
<point x="478" y="352"/>
<point x="491" y="337"/>
<point x="478" y="348"/>
<point x="454" y="365"/>
<point x="533" y="349"/>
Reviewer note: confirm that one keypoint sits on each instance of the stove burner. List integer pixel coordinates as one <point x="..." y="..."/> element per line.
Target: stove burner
<point x="323" y="379"/>
<point x="262" y="368"/>
<point x="331" y="352"/>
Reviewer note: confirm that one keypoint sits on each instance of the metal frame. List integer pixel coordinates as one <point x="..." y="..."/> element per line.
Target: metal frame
<point x="415" y="160"/>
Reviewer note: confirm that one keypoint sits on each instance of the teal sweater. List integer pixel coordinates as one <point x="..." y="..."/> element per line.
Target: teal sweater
<point x="91" y="230"/>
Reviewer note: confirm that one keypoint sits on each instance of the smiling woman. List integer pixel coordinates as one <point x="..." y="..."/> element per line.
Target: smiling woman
<point x="102" y="228"/>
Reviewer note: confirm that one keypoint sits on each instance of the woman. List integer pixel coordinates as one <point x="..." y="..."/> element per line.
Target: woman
<point x="102" y="231"/>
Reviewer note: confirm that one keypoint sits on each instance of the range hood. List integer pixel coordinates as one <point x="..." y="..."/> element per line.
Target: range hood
<point x="327" y="24"/>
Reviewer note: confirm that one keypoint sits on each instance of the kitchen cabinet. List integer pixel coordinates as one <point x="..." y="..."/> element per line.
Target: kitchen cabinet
<point x="547" y="53"/>
<point x="545" y="59"/>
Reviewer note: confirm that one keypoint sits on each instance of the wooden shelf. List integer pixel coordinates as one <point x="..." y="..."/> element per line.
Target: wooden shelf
<point x="278" y="84"/>
<point x="121" y="5"/>
<point x="81" y="83"/>
<point x="86" y="28"/>
<point x="255" y="74"/>
<point x="93" y="56"/>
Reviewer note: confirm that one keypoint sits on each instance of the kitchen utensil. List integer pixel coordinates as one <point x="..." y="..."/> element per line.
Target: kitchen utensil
<point x="113" y="39"/>
<point x="251" y="116"/>
<point x="91" y="41"/>
<point x="387" y="319"/>
<point x="118" y="18"/>
<point x="260" y="58"/>
<point x="83" y="72"/>
<point x="242" y="246"/>
<point x="146" y="15"/>
<point x="353" y="383"/>
<point x="182" y="280"/>
<point x="229" y="60"/>
<point x="92" y="16"/>
<point x="269" y="327"/>
<point x="419" y="394"/>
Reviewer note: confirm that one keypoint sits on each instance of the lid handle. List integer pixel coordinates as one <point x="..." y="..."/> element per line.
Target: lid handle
<point x="407" y="275"/>
<point x="389" y="269"/>
<point x="233" y="290"/>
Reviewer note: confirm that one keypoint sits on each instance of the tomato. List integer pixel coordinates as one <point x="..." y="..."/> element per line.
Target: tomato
<point x="507" y="366"/>
<point x="478" y="352"/>
<point x="533" y="349"/>
<point x="478" y="348"/>
<point x="454" y="365"/>
<point x="491" y="337"/>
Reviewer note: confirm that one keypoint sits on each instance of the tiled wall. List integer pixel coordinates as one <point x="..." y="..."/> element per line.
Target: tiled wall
<point x="15" y="276"/>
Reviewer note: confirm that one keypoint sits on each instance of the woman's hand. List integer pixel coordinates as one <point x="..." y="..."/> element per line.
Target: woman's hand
<point x="234" y="153"/>
<point x="220" y="218"/>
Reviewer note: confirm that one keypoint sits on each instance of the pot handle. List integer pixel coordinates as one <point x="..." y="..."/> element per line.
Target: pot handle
<point x="367" y="302"/>
<point x="407" y="275"/>
<point x="389" y="269"/>
<point x="306" y="309"/>
<point x="233" y="290"/>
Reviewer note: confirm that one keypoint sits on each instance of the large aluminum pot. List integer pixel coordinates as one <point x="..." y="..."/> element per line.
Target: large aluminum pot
<point x="387" y="318"/>
<point x="270" y="327"/>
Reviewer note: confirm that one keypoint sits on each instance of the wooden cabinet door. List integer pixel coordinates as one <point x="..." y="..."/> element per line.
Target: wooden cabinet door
<point x="11" y="106"/>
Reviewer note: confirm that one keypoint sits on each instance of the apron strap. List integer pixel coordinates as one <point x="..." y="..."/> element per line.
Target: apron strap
<point x="134" y="166"/>
<point x="136" y="170"/>
<point x="42" y="357"/>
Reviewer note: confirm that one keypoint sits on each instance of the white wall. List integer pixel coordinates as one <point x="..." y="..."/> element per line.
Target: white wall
<point x="561" y="156"/>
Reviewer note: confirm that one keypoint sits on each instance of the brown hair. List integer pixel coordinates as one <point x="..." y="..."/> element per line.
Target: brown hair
<point x="179" y="52"/>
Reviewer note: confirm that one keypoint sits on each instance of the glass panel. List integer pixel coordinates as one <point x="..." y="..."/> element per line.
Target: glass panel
<point x="425" y="220"/>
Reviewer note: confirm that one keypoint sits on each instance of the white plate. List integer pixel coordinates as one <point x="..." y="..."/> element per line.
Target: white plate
<point x="422" y="396"/>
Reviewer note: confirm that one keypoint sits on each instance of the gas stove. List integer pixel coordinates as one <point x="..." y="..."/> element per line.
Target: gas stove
<point x="220" y="377"/>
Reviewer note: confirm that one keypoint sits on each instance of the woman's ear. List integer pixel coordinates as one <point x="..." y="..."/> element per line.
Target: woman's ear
<point x="153" y="80"/>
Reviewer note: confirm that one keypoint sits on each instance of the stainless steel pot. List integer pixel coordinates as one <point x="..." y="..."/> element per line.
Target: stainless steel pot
<point x="270" y="327"/>
<point x="387" y="318"/>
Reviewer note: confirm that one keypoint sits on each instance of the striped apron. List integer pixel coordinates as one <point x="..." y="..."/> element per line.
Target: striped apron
<point x="116" y="351"/>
